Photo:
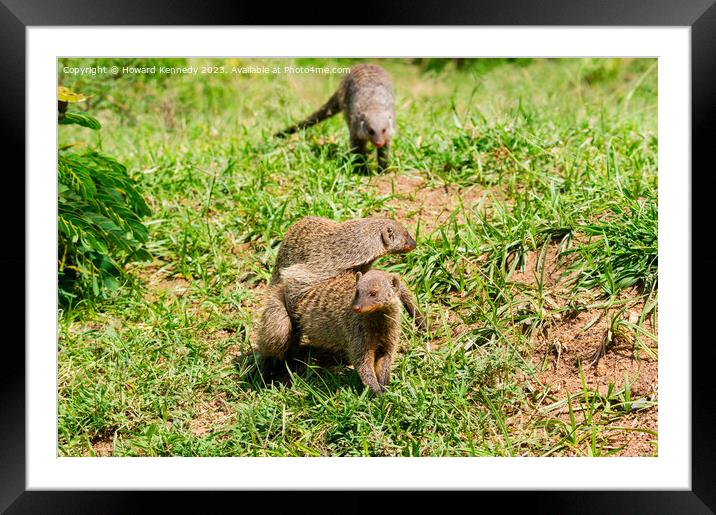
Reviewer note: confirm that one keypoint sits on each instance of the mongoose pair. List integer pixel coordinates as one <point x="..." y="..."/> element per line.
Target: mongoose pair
<point x="365" y="96"/>
<point x="326" y="249"/>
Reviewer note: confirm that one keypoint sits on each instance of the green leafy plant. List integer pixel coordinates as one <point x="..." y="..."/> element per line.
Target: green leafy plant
<point x="99" y="213"/>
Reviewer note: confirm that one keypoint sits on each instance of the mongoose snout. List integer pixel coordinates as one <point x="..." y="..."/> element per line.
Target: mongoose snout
<point x="409" y="246"/>
<point x="376" y="127"/>
<point x="365" y="309"/>
<point x="379" y="138"/>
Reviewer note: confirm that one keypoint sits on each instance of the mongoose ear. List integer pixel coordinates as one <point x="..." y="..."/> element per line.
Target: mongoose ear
<point x="358" y="276"/>
<point x="395" y="281"/>
<point x="387" y="237"/>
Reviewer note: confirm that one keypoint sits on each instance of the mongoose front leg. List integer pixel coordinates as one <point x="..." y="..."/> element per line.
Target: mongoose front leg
<point x="383" y="156"/>
<point x="366" y="370"/>
<point x="411" y="306"/>
<point x="382" y="368"/>
<point x="358" y="148"/>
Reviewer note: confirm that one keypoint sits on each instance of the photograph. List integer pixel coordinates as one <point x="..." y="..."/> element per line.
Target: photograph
<point x="357" y="257"/>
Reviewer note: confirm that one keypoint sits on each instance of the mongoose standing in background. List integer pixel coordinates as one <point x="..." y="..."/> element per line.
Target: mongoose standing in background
<point x="352" y="313"/>
<point x="327" y="248"/>
<point x="365" y="96"/>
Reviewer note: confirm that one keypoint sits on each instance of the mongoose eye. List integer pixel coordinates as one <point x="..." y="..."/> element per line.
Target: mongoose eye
<point x="371" y="132"/>
<point x="383" y="130"/>
<point x="372" y="294"/>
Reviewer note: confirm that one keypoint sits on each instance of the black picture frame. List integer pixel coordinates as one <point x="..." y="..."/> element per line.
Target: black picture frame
<point x="17" y="15"/>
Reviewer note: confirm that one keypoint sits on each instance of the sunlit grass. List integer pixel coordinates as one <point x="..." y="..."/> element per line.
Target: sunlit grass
<point x="566" y="153"/>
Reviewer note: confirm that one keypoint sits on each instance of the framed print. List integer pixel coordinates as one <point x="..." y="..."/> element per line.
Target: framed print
<point x="397" y="257"/>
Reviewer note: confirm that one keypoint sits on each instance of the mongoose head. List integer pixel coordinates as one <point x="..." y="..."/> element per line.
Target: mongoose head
<point x="396" y="238"/>
<point x="375" y="290"/>
<point x="377" y="127"/>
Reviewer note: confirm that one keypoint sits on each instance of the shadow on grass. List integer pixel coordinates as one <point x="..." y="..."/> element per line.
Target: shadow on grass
<point x="317" y="369"/>
<point x="365" y="165"/>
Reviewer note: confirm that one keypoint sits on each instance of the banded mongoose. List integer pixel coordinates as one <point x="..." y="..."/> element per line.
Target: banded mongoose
<point x="354" y="314"/>
<point x="327" y="248"/>
<point x="365" y="96"/>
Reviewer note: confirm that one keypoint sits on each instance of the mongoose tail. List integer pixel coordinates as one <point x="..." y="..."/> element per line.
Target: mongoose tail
<point x="330" y="108"/>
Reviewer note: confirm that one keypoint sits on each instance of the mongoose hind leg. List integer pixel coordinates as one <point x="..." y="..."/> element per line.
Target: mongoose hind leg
<point x="278" y="345"/>
<point x="294" y="345"/>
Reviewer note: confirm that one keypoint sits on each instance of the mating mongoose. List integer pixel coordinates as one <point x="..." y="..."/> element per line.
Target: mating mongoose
<point x="352" y="313"/>
<point x="327" y="248"/>
<point x="365" y="96"/>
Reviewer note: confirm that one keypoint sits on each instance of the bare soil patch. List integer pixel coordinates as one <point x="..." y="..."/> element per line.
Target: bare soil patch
<point x="571" y="339"/>
<point x="414" y="201"/>
<point x="102" y="448"/>
<point x="544" y="267"/>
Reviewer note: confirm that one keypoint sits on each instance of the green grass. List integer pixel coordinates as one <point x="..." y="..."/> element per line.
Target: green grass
<point x="564" y="153"/>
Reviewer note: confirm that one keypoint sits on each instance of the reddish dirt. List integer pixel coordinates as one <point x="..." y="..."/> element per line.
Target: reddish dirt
<point x="571" y="339"/>
<point x="432" y="206"/>
<point x="533" y="271"/>
<point x="102" y="448"/>
<point x="566" y="339"/>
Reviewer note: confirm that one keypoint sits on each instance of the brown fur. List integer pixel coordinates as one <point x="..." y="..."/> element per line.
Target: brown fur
<point x="354" y="314"/>
<point x="365" y="96"/>
<point x="275" y="332"/>
<point x="326" y="248"/>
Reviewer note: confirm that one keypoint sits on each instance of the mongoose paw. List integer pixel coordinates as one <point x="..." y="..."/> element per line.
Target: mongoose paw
<point x="378" y="392"/>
